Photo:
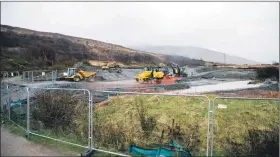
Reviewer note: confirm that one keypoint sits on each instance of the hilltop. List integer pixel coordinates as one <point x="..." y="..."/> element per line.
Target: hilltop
<point x="24" y="49"/>
<point x="197" y="53"/>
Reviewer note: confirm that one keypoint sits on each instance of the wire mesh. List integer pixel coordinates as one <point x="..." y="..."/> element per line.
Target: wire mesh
<point x="38" y="76"/>
<point x="5" y="98"/>
<point x="121" y="119"/>
<point x="245" y="127"/>
<point x="14" y="102"/>
<point x="61" y="114"/>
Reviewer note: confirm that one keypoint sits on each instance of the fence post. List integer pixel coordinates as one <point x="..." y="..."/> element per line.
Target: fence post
<point x="27" y="114"/>
<point x="9" y="102"/>
<point x="53" y="77"/>
<point x="32" y="77"/>
<point x="23" y="75"/>
<point x="89" y="121"/>
<point x="28" y="76"/>
<point x="213" y="127"/>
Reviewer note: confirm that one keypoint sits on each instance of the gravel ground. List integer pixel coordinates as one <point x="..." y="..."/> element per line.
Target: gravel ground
<point x="238" y="74"/>
<point x="13" y="145"/>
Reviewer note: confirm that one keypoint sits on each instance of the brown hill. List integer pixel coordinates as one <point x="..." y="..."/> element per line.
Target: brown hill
<point x="26" y="49"/>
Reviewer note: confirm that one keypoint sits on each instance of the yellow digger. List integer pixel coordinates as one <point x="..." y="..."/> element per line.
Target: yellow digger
<point x="112" y="67"/>
<point x="73" y="74"/>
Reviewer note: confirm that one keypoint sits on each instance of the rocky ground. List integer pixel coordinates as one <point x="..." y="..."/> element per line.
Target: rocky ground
<point x="237" y="74"/>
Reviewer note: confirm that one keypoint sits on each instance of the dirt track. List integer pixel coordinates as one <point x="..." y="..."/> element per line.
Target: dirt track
<point x="13" y="145"/>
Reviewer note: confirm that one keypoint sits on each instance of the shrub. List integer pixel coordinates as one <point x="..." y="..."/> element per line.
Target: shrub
<point x="256" y="143"/>
<point x="58" y="110"/>
<point x="147" y="122"/>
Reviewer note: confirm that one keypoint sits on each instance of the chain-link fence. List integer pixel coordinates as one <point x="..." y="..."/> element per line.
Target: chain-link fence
<point x="126" y="120"/>
<point x="245" y="127"/>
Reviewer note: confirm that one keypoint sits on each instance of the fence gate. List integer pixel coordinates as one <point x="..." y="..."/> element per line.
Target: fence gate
<point x="146" y="119"/>
<point x="245" y="126"/>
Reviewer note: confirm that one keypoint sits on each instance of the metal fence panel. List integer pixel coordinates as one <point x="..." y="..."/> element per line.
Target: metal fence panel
<point x="60" y="114"/>
<point x="124" y="118"/>
<point x="245" y="127"/>
<point x="39" y="76"/>
<point x="13" y="103"/>
<point x="5" y="98"/>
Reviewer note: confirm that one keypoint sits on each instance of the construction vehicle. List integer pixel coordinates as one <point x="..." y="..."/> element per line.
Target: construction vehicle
<point x="177" y="71"/>
<point x="150" y="74"/>
<point x="112" y="67"/>
<point x="73" y="74"/>
<point x="159" y="74"/>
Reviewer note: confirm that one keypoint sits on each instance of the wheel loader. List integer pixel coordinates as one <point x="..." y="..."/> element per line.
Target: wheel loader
<point x="161" y="74"/>
<point x="150" y="75"/>
<point x="73" y="74"/>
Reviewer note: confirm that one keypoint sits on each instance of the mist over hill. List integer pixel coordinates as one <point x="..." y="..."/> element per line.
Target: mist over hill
<point x="196" y="53"/>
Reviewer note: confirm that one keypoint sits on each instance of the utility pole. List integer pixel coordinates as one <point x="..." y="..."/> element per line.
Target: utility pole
<point x="224" y="58"/>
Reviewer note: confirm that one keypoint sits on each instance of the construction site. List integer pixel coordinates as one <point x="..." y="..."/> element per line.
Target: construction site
<point x="171" y="106"/>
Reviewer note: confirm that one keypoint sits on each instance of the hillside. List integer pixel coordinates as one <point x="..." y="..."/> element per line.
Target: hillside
<point x="196" y="53"/>
<point x="27" y="49"/>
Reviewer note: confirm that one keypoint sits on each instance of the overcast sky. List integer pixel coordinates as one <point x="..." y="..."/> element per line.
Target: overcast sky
<point x="245" y="29"/>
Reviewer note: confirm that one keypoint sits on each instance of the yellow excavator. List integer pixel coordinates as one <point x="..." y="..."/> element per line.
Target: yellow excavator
<point x="112" y="67"/>
<point x="73" y="74"/>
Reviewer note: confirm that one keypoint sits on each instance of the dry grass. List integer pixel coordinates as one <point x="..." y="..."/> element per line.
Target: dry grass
<point x="140" y="120"/>
<point x="119" y="123"/>
<point x="253" y="93"/>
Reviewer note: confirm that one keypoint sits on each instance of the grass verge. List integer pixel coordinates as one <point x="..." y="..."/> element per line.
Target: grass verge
<point x="244" y="127"/>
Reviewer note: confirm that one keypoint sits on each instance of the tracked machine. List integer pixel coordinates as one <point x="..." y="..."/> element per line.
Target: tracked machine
<point x="112" y="67"/>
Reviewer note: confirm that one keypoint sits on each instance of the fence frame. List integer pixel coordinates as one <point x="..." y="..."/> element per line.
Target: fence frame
<point x="12" y="73"/>
<point x="7" y="84"/>
<point x="162" y="94"/>
<point x="64" y="89"/>
<point x="28" y="76"/>
<point x="210" y="144"/>
<point x="237" y="98"/>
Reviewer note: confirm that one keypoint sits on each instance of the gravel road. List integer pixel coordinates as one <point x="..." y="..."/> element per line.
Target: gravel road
<point x="14" y="145"/>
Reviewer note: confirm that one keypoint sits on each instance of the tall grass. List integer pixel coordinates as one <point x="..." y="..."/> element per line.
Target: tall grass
<point x="243" y="128"/>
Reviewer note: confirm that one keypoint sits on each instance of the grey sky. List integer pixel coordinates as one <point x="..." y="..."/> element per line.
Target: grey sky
<point x="249" y="30"/>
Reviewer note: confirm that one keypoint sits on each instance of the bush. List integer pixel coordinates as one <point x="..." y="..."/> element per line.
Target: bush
<point x="147" y="122"/>
<point x="59" y="111"/>
<point x="256" y="143"/>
